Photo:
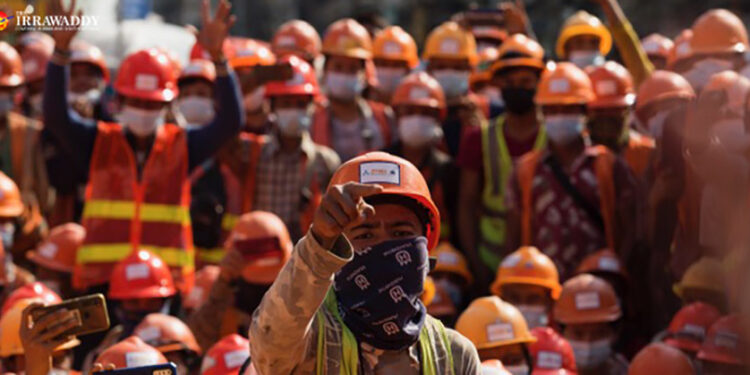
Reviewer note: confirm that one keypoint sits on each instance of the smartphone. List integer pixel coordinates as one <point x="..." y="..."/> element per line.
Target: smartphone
<point x="259" y="248"/>
<point x="269" y="73"/>
<point x="162" y="369"/>
<point x="91" y="310"/>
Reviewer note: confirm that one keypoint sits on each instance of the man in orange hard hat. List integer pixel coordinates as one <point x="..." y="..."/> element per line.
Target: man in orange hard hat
<point x="140" y="198"/>
<point x="661" y="359"/>
<point x="55" y="257"/>
<point x="173" y="339"/>
<point x="299" y="38"/>
<point x="723" y="350"/>
<point x="564" y="215"/>
<point x="658" y="48"/>
<point x="196" y="98"/>
<point x="247" y="55"/>
<point x="349" y="297"/>
<point x="395" y="56"/>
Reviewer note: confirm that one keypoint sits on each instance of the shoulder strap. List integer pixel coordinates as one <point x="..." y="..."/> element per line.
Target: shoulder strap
<point x="526" y="172"/>
<point x="564" y="181"/>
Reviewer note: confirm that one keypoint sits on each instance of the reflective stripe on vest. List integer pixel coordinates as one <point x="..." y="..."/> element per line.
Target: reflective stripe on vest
<point x="212" y="256"/>
<point x="114" y="252"/>
<point x="434" y="346"/>
<point x="125" y="210"/>
<point x="497" y="169"/>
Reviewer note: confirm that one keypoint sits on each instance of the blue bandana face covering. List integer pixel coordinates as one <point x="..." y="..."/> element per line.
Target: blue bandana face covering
<point x="378" y="293"/>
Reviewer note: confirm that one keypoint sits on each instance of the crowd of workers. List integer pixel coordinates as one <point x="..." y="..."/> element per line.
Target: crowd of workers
<point x="347" y="205"/>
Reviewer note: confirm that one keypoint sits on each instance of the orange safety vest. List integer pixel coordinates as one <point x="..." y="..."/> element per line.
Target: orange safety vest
<point x="321" y="125"/>
<point x="638" y="153"/>
<point x="603" y="167"/>
<point x="123" y="213"/>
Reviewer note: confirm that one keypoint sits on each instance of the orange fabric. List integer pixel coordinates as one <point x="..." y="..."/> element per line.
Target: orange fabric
<point x="526" y="171"/>
<point x="321" y="126"/>
<point x="113" y="177"/>
<point x="638" y="153"/>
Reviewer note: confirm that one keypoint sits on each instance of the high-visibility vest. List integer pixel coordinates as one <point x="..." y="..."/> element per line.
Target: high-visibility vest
<point x="603" y="169"/>
<point x="123" y="213"/>
<point x="638" y="153"/>
<point x="321" y="124"/>
<point x="337" y="350"/>
<point x="498" y="166"/>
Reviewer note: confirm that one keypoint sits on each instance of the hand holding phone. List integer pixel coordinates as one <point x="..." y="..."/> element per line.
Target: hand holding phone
<point x="91" y="311"/>
<point x="46" y="335"/>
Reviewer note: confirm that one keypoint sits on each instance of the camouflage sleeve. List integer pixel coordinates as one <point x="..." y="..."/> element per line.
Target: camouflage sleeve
<point x="203" y="321"/>
<point x="465" y="357"/>
<point x="281" y="328"/>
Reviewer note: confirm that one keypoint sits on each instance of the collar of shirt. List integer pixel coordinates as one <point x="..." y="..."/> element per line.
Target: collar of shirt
<point x="306" y="147"/>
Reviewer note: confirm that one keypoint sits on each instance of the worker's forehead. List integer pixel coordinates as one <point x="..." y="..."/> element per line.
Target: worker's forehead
<point x="392" y="214"/>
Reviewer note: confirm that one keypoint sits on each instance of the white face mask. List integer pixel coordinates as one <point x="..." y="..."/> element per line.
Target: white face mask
<point x="344" y="86"/>
<point x="590" y="355"/>
<point x="583" y="59"/>
<point x="142" y="122"/>
<point x="197" y="110"/>
<point x="389" y="78"/>
<point x="419" y="131"/>
<point x="518" y="369"/>
<point x="701" y="72"/>
<point x="254" y="99"/>
<point x="656" y="124"/>
<point x="293" y="122"/>
<point x="6" y="104"/>
<point x="494" y="95"/>
<point x="455" y="83"/>
<point x="536" y="316"/>
<point x="90" y="97"/>
<point x="563" y="129"/>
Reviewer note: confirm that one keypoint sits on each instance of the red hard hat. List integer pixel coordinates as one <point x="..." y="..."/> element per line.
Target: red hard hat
<point x="421" y="90"/>
<point x="131" y="352"/>
<point x="661" y="359"/>
<point x="226" y="356"/>
<point x="725" y="343"/>
<point x="303" y="81"/>
<point x="148" y="74"/>
<point x="204" y="280"/>
<point x="141" y="275"/>
<point x="612" y="84"/>
<point x="58" y="251"/>
<point x="551" y="353"/>
<point x="250" y="52"/>
<point x="689" y="326"/>
<point x="35" y="57"/>
<point x="167" y="334"/>
<point x="85" y="53"/>
<point x="199" y="68"/>
<point x="34" y="290"/>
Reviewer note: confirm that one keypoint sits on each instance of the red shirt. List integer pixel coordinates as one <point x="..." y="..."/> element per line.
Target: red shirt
<point x="470" y="153"/>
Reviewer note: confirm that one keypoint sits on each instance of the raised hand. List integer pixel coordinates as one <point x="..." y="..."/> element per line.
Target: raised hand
<point x="215" y="29"/>
<point x="342" y="206"/>
<point x="63" y="36"/>
<point x="40" y="339"/>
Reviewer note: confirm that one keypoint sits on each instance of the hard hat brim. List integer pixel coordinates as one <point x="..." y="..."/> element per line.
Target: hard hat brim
<point x="12" y="211"/>
<point x="164" y="95"/>
<point x="357" y="53"/>
<point x="47" y="263"/>
<point x="554" y="288"/>
<point x="623" y="101"/>
<point x="13" y="80"/>
<point x="610" y="316"/>
<point x="521" y="62"/>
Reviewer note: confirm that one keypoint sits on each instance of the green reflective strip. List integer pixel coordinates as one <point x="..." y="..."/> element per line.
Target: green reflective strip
<point x="103" y="209"/>
<point x="214" y="255"/>
<point x="114" y="252"/>
<point x="446" y="344"/>
<point x="428" y="357"/>
<point x="165" y="213"/>
<point x="489" y="258"/>
<point x="229" y="221"/>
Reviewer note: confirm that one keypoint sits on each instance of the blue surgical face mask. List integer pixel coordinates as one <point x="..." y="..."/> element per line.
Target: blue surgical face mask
<point x="455" y="83"/>
<point x="344" y="86"/>
<point x="563" y="129"/>
<point x="379" y="291"/>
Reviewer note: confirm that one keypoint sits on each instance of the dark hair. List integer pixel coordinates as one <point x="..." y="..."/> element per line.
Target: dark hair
<point x="423" y="214"/>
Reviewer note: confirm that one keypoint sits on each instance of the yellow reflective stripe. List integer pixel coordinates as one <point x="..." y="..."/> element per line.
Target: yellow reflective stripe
<point x="150" y="212"/>
<point x="229" y="221"/>
<point x="114" y="252"/>
<point x="103" y="209"/>
<point x="214" y="255"/>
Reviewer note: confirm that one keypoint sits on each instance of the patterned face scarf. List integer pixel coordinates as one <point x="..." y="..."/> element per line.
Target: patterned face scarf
<point x="378" y="293"/>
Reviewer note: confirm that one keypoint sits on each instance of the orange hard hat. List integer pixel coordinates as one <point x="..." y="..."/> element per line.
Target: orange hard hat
<point x="604" y="261"/>
<point x="725" y="342"/>
<point x="494" y="367"/>
<point x="682" y="50"/>
<point x="718" y="31"/>
<point x="204" y="280"/>
<point x="84" y="53"/>
<point x="303" y="81"/>
<point x="296" y="37"/>
<point x="583" y="23"/>
<point x="613" y="86"/>
<point x="483" y="72"/>
<point x="661" y="359"/>
<point x="587" y="299"/>
<point x="147" y="74"/>
<point x="199" y="68"/>
<point x="519" y="51"/>
<point x="35" y="57"/>
<point x="397" y="176"/>
<point x="393" y="43"/>
<point x="11" y="68"/>
<point x="250" y="52"/>
<point x="450" y="260"/>
<point x="131" y="352"/>
<point x="689" y="326"/>
<point x="141" y="275"/>
<point x="167" y="334"/>
<point x="735" y="86"/>
<point x="663" y="85"/>
<point x="657" y="45"/>
<point x="34" y="290"/>
<point x="528" y="265"/>
<point x="264" y="240"/>
<point x="420" y="89"/>
<point x="58" y="251"/>
<point x="490" y="322"/>
<point x="10" y="198"/>
<point x="451" y="41"/>
<point x="197" y="52"/>
<point x="551" y="353"/>
<point x="346" y="37"/>
<point x="564" y="84"/>
<point x="227" y="356"/>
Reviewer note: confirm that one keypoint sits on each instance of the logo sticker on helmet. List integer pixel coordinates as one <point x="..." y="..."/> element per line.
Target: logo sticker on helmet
<point x="236" y="358"/>
<point x="607" y="87"/>
<point x="377" y="172"/>
<point x="140" y="359"/>
<point x="392" y="48"/>
<point x="587" y="301"/>
<point x="137" y="271"/>
<point x="149" y="334"/>
<point x="609" y="264"/>
<point x="449" y="46"/>
<point x="559" y="86"/>
<point x="48" y="250"/>
<point x="447" y="258"/>
<point x="549" y="360"/>
<point x="146" y="82"/>
<point x="500" y="332"/>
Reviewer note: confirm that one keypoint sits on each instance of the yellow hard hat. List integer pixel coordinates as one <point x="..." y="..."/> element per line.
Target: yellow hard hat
<point x="528" y="265"/>
<point x="10" y="330"/>
<point x="706" y="274"/>
<point x="347" y="37"/>
<point x="451" y="41"/>
<point x="450" y="260"/>
<point x="490" y="322"/>
<point x="584" y="23"/>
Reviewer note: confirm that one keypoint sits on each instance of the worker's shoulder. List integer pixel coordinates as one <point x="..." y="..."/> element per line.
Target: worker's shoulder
<point x="463" y="351"/>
